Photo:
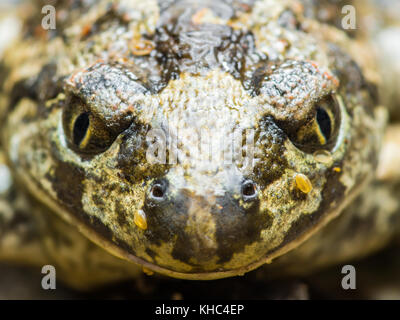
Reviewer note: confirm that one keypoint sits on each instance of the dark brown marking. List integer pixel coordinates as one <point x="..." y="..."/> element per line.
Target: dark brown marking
<point x="238" y="227"/>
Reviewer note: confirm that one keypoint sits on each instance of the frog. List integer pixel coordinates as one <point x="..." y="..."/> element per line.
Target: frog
<point x="196" y="140"/>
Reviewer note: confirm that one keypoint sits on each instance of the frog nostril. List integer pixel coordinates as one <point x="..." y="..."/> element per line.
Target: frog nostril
<point x="249" y="190"/>
<point x="158" y="190"/>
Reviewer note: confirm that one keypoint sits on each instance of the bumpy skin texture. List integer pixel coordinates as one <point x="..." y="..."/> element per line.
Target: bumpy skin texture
<point x="78" y="104"/>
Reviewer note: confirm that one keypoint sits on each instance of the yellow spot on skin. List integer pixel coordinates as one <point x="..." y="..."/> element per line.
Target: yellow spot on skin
<point x="303" y="183"/>
<point x="140" y="219"/>
<point x="147" y="271"/>
<point x="337" y="169"/>
<point x="323" y="156"/>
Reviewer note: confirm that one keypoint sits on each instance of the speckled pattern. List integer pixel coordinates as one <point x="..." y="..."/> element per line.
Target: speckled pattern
<point x="82" y="105"/>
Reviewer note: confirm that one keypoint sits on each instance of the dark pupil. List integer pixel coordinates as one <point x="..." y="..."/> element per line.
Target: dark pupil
<point x="80" y="128"/>
<point x="324" y="123"/>
<point x="248" y="189"/>
<point x="157" y="191"/>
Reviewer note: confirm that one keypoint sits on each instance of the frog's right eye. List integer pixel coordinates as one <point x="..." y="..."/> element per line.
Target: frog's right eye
<point x="81" y="126"/>
<point x="88" y="133"/>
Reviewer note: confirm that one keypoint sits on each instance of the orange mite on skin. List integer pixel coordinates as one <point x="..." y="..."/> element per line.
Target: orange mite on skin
<point x="303" y="183"/>
<point x="140" y="219"/>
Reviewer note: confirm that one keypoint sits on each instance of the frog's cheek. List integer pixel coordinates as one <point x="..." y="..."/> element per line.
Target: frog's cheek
<point x="191" y="233"/>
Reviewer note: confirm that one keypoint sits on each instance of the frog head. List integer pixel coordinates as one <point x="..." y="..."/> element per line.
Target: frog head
<point x="202" y="159"/>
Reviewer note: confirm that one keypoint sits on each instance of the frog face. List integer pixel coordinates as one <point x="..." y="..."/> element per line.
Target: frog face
<point x="202" y="160"/>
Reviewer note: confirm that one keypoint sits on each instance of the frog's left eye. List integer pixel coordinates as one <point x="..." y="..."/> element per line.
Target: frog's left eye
<point x="88" y="133"/>
<point x="320" y="129"/>
<point x="324" y="121"/>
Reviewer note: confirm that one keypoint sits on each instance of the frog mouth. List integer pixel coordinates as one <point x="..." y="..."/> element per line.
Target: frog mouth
<point x="267" y="259"/>
<point x="119" y="252"/>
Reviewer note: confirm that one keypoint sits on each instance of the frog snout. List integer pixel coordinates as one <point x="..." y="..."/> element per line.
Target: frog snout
<point x="203" y="228"/>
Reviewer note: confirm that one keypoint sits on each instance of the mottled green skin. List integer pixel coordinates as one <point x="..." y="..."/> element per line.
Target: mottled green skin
<point x="262" y="66"/>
